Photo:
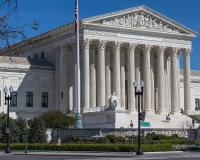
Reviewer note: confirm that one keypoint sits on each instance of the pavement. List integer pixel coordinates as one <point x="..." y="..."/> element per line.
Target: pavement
<point x="76" y="155"/>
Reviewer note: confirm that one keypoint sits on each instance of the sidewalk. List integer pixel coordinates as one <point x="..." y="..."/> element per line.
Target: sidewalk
<point x="86" y="153"/>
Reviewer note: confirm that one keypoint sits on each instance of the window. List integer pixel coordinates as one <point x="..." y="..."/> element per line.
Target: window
<point x="197" y="104"/>
<point x="42" y="55"/>
<point x="35" y="56"/>
<point x="13" y="102"/>
<point x="29" y="99"/>
<point x="62" y="94"/>
<point x="44" y="99"/>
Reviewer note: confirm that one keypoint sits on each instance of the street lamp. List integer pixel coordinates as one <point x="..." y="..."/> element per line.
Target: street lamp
<point x="139" y="96"/>
<point x="7" y="102"/>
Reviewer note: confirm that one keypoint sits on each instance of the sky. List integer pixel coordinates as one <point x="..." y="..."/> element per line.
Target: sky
<point x="54" y="13"/>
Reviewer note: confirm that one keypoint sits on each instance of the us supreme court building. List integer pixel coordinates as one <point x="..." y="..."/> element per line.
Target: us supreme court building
<point x="117" y="49"/>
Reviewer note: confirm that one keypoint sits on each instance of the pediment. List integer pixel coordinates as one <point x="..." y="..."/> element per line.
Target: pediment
<point x="140" y="18"/>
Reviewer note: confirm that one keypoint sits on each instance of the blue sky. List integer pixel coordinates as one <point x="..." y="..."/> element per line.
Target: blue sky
<point x="53" y="13"/>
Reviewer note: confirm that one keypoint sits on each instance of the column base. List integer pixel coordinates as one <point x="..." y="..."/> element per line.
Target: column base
<point x="149" y="111"/>
<point x="162" y="112"/>
<point x="119" y="109"/>
<point x="176" y="113"/>
<point x="78" y="121"/>
<point x="132" y="111"/>
<point x="187" y="112"/>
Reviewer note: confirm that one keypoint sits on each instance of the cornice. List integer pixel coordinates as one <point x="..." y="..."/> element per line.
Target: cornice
<point x="60" y="33"/>
<point x="118" y="29"/>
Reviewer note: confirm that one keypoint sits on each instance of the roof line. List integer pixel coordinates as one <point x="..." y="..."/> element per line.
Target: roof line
<point x="124" y="11"/>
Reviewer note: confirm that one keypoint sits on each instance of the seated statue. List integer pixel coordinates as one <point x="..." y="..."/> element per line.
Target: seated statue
<point x="113" y="102"/>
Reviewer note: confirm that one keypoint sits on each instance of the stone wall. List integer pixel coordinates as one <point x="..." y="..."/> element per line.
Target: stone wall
<point x="97" y="133"/>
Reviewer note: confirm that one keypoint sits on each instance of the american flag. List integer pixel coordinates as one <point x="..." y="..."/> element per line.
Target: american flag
<point x="76" y="16"/>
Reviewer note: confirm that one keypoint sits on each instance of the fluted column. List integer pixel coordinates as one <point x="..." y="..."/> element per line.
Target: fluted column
<point x="152" y="61"/>
<point x="161" y="80"/>
<point x="167" y="84"/>
<point x="86" y="74"/>
<point x="123" y="91"/>
<point x="187" y="92"/>
<point x="174" y="85"/>
<point x="147" y="79"/>
<point x="101" y="68"/>
<point x="116" y="69"/>
<point x="108" y="77"/>
<point x="131" y="77"/>
<point x="178" y="79"/>
<point x="137" y="71"/>
<point x="93" y="80"/>
<point x="137" y="67"/>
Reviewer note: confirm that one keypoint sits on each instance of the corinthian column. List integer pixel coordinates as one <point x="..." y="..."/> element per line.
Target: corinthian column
<point x="161" y="80"/>
<point x="187" y="93"/>
<point x="93" y="79"/>
<point x="101" y="68"/>
<point x="131" y="78"/>
<point x="86" y="74"/>
<point x="108" y="77"/>
<point x="174" y="82"/>
<point x="116" y="69"/>
<point x="147" y="79"/>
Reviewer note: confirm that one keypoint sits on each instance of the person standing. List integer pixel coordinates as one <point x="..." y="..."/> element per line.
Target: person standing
<point x="59" y="142"/>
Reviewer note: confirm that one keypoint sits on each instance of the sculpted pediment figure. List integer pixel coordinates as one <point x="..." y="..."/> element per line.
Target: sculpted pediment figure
<point x="140" y="18"/>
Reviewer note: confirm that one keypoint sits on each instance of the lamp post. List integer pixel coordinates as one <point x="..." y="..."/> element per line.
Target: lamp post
<point x="7" y="102"/>
<point x="139" y="96"/>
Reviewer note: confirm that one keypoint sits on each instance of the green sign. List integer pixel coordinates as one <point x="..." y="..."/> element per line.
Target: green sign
<point x="145" y="124"/>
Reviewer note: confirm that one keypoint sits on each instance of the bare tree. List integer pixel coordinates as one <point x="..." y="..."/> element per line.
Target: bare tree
<point x="8" y="32"/>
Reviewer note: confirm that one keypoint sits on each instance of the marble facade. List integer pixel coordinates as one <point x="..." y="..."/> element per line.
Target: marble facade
<point x="118" y="49"/>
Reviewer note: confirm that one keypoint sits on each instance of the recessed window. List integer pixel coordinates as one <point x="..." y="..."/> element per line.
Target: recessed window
<point x="13" y="102"/>
<point x="35" y="56"/>
<point x="44" y="99"/>
<point x="42" y="55"/>
<point x="197" y="104"/>
<point x="62" y="94"/>
<point x="29" y="99"/>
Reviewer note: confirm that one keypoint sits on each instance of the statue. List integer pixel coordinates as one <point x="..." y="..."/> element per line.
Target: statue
<point x="113" y="101"/>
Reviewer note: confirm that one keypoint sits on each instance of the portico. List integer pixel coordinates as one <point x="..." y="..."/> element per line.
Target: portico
<point x="120" y="70"/>
<point x="133" y="45"/>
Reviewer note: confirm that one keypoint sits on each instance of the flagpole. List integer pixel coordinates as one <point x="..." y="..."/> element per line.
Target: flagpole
<point x="78" y="121"/>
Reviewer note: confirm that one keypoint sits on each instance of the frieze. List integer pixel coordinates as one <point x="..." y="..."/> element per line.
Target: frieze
<point x="100" y="32"/>
<point x="140" y="20"/>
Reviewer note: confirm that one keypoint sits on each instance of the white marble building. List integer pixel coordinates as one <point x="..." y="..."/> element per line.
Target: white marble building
<point x="116" y="49"/>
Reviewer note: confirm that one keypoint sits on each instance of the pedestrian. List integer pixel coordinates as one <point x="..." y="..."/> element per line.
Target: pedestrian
<point x="59" y="148"/>
<point x="131" y="124"/>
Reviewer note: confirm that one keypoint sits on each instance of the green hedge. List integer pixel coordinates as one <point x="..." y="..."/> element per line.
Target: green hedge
<point x="93" y="147"/>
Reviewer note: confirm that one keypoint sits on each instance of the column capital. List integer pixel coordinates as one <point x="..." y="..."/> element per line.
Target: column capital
<point x="161" y="49"/>
<point x="132" y="47"/>
<point x="147" y="48"/>
<point x="86" y="43"/>
<point x="117" y="45"/>
<point x="187" y="51"/>
<point x="175" y="51"/>
<point x="102" y="44"/>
